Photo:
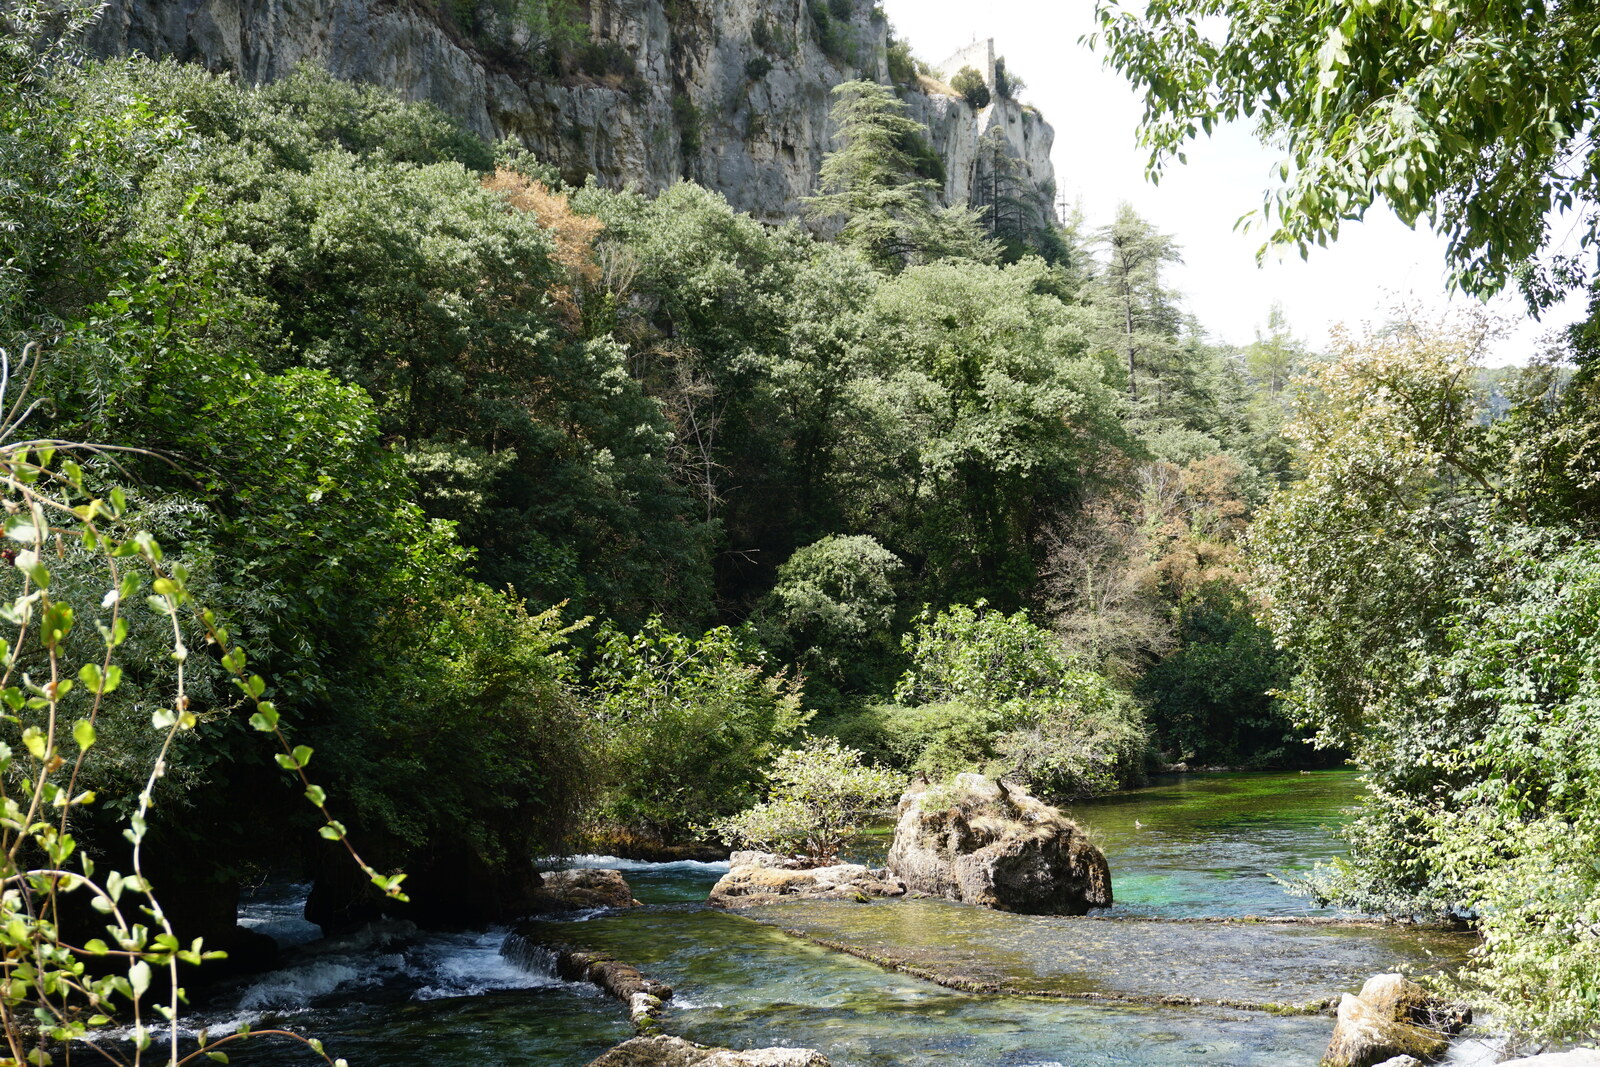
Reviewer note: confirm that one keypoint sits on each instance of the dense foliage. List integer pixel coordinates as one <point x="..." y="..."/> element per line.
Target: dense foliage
<point x="1443" y="631"/>
<point x="1429" y="565"/>
<point x="545" y="508"/>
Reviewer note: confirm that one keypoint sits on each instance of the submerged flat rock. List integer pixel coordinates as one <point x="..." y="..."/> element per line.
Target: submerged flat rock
<point x="1279" y="966"/>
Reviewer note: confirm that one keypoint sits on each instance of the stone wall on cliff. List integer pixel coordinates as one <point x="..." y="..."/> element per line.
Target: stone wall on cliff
<point x="733" y="94"/>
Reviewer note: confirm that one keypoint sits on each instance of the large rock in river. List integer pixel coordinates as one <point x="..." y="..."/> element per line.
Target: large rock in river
<point x="989" y="843"/>
<point x="665" y="1051"/>
<point x="581" y="889"/>
<point x="1392" y="1017"/>
<point x="764" y="878"/>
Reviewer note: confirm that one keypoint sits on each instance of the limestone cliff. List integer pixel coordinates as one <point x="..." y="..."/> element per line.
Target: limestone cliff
<point x="731" y="93"/>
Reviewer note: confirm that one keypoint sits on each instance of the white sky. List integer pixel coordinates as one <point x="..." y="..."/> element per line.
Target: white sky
<point x="1095" y="114"/>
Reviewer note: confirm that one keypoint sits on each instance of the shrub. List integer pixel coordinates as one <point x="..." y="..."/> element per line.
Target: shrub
<point x="757" y="67"/>
<point x="774" y="41"/>
<point x="972" y="651"/>
<point x="833" y="34"/>
<point x="600" y="58"/>
<point x="687" y="724"/>
<point x="1013" y="702"/>
<point x="1006" y="84"/>
<point x="902" y="64"/>
<point x="970" y="84"/>
<point x="925" y="161"/>
<point x="835" y="601"/>
<point x="821" y="794"/>
<point x="686" y="116"/>
<point x="1211" y="699"/>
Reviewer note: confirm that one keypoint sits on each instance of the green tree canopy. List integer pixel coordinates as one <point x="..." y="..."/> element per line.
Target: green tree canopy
<point x="1473" y="115"/>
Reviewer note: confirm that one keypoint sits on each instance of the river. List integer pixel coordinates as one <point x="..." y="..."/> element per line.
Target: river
<point x="1199" y="846"/>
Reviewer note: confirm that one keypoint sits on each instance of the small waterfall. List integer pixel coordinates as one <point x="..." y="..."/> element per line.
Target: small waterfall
<point x="530" y="956"/>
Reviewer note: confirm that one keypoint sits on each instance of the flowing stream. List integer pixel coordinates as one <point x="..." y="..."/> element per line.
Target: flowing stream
<point x="1199" y="847"/>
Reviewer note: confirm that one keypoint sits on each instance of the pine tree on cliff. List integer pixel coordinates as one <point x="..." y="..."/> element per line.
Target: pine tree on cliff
<point x="870" y="179"/>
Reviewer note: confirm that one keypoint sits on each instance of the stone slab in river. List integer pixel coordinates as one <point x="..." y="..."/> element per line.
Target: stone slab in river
<point x="583" y="888"/>
<point x="1299" y="964"/>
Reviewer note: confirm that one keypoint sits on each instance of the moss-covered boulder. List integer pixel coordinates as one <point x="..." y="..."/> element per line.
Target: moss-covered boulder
<point x="989" y="843"/>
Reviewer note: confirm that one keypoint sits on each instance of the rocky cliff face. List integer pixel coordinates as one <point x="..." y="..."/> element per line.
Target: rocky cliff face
<point x="731" y="93"/>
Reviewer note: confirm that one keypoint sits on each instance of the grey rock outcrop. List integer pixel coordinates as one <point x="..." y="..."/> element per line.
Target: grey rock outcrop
<point x="1392" y="1017"/>
<point x="733" y="94"/>
<point x="665" y="1051"/>
<point x="984" y="842"/>
<point x="756" y="878"/>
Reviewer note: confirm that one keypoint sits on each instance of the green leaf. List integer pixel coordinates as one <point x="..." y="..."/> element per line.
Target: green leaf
<point x="139" y="977"/>
<point x="33" y="739"/>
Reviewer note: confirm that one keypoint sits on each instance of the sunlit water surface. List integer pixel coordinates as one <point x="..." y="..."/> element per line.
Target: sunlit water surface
<point x="1191" y="847"/>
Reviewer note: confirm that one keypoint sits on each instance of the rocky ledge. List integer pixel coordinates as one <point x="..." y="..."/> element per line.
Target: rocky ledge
<point x="990" y="843"/>
<point x="1393" y="1018"/>
<point x="662" y="1051"/>
<point x="756" y="878"/>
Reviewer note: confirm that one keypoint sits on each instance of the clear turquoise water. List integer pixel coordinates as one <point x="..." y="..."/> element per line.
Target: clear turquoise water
<point x="1202" y="845"/>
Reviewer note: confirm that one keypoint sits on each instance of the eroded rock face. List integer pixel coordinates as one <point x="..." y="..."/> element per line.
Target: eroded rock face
<point x="756" y="878"/>
<point x="580" y="890"/>
<point x="733" y="94"/>
<point x="984" y="842"/>
<point x="676" y="1052"/>
<point x="1392" y="1017"/>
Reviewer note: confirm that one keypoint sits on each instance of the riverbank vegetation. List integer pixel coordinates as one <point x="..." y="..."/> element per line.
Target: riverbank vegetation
<point x="551" y="512"/>
<point x="1431" y="567"/>
<point x="470" y="456"/>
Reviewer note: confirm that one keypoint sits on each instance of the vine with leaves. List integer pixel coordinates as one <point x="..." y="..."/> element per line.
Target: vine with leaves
<point x="54" y="992"/>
